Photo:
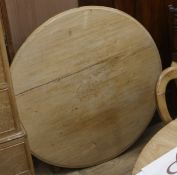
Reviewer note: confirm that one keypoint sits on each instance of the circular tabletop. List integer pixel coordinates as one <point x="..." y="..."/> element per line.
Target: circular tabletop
<point x="85" y="85"/>
<point x="164" y="141"/>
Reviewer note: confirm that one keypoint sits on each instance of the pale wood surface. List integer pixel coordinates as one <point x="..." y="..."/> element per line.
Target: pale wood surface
<point x="15" y="157"/>
<point x="122" y="165"/>
<point x="9" y="122"/>
<point x="166" y="76"/>
<point x="174" y="63"/>
<point x="84" y="83"/>
<point x="23" y="16"/>
<point x="161" y="143"/>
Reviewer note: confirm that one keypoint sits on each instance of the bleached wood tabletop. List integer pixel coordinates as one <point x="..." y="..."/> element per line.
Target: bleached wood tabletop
<point x="166" y="138"/>
<point x="161" y="143"/>
<point x="84" y="83"/>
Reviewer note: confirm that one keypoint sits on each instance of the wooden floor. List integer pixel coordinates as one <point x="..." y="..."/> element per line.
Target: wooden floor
<point x="121" y="165"/>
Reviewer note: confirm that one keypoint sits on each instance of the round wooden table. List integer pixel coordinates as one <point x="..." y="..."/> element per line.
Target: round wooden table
<point x="161" y="143"/>
<point x="81" y="97"/>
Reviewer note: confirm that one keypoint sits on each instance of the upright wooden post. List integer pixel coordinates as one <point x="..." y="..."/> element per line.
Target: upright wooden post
<point x="9" y="122"/>
<point x="15" y="156"/>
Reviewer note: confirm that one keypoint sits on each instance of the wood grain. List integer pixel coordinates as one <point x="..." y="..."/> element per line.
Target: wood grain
<point x="15" y="154"/>
<point x="122" y="165"/>
<point x="84" y="81"/>
<point x="153" y="14"/>
<point x="166" y="76"/>
<point x="22" y="17"/>
<point x="15" y="157"/>
<point x="161" y="143"/>
<point x="165" y="139"/>
<point x="8" y="110"/>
